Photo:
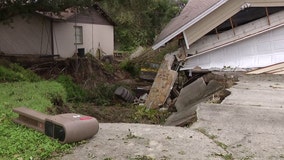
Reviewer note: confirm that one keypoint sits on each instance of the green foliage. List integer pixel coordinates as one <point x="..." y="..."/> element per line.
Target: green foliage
<point x="18" y="142"/>
<point x="11" y="8"/>
<point x="16" y="73"/>
<point x="109" y="67"/>
<point x="145" y="114"/>
<point x="142" y="157"/>
<point x="130" y="67"/>
<point x="103" y="94"/>
<point x="74" y="92"/>
<point x="138" y="22"/>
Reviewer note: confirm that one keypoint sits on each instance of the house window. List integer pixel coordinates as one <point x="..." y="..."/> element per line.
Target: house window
<point x="78" y="35"/>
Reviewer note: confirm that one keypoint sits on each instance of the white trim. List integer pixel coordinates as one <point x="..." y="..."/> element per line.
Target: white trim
<point x="190" y="23"/>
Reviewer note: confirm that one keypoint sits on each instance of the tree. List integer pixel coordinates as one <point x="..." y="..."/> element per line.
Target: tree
<point x="9" y="8"/>
<point x="139" y="21"/>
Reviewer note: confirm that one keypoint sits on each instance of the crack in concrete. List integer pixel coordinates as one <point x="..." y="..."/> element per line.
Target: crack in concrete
<point x="228" y="156"/>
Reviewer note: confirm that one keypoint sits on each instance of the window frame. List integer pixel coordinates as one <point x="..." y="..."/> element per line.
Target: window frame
<point x="79" y="38"/>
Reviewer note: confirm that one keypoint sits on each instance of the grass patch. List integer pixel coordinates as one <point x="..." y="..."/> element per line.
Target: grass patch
<point x="130" y="67"/>
<point x="225" y="156"/>
<point x="74" y="92"/>
<point x="103" y="94"/>
<point x="15" y="73"/>
<point x="18" y="142"/>
<point x="141" y="157"/>
<point x="145" y="114"/>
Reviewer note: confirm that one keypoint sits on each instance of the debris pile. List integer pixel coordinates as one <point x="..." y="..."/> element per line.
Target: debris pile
<point x="179" y="91"/>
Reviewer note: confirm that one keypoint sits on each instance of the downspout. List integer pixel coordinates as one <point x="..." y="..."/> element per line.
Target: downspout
<point x="76" y="45"/>
<point x="52" y="37"/>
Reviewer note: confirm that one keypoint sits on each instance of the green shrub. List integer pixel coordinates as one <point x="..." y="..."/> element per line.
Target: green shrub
<point x="109" y="68"/>
<point x="130" y="67"/>
<point x="74" y="92"/>
<point x="144" y="114"/>
<point x="103" y="94"/>
<point x="16" y="73"/>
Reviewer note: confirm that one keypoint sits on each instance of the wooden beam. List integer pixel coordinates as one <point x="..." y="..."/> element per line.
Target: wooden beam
<point x="267" y="15"/>
<point x="232" y="25"/>
<point x="217" y="33"/>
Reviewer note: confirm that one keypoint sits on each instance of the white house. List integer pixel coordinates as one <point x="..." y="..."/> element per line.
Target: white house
<point x="63" y="34"/>
<point x="231" y="33"/>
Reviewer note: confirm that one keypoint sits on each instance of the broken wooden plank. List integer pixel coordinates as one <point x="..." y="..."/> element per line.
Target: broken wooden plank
<point x="282" y="72"/>
<point x="276" y="71"/>
<point x="268" y="69"/>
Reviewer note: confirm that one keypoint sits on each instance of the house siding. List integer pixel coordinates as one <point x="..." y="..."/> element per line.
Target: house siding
<point x="259" y="51"/>
<point x="33" y="35"/>
<point x="26" y="36"/>
<point x="215" y="41"/>
<point x="93" y="36"/>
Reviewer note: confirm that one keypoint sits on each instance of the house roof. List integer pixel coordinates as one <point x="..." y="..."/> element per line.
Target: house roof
<point x="69" y="13"/>
<point x="63" y="15"/>
<point x="194" y="11"/>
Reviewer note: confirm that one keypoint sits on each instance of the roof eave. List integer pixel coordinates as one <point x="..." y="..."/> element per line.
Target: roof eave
<point x="187" y="25"/>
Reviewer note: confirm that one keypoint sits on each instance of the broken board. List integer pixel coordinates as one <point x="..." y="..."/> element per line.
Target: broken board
<point x="272" y="69"/>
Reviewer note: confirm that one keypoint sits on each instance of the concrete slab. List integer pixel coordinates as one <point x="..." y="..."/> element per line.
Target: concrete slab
<point x="258" y="90"/>
<point x="140" y="141"/>
<point x="249" y="123"/>
<point x="248" y="132"/>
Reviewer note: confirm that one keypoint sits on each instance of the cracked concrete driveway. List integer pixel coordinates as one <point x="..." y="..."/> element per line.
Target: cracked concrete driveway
<point x="249" y="124"/>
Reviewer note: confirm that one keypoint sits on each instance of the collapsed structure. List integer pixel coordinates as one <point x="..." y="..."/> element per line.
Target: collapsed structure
<point x="228" y="33"/>
<point x="214" y="35"/>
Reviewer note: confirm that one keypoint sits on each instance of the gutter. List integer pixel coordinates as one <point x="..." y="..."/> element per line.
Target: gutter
<point x="189" y="24"/>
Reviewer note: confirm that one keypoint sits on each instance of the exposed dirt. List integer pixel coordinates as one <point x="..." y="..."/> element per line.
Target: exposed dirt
<point x="90" y="72"/>
<point x="110" y="114"/>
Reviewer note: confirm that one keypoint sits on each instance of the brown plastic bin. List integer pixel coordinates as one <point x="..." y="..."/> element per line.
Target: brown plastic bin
<point x="71" y="127"/>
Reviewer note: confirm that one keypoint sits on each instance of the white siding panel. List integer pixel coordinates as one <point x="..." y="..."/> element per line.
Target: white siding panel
<point x="261" y="50"/>
<point x="278" y="45"/>
<point x="263" y="47"/>
<point x="93" y="36"/>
